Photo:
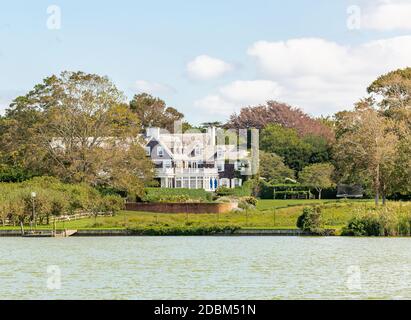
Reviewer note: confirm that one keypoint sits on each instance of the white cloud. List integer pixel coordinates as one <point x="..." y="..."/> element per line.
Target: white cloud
<point x="206" y="68"/>
<point x="388" y="15"/>
<point x="215" y="104"/>
<point x="322" y="76"/>
<point x="153" y="87"/>
<point x="232" y="97"/>
<point x="250" y="92"/>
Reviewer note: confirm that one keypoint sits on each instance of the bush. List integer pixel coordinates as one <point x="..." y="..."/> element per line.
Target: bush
<point x="362" y="226"/>
<point x="250" y="200"/>
<point x="183" y="231"/>
<point x="112" y="204"/>
<point x="176" y="195"/>
<point x="283" y="191"/>
<point x="310" y="220"/>
<point x="394" y="219"/>
<point x="245" y="190"/>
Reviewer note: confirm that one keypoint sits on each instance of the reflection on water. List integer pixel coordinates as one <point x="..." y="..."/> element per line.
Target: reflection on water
<point x="205" y="268"/>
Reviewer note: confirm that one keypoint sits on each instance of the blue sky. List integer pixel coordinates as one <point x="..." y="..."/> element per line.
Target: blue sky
<point x="209" y="58"/>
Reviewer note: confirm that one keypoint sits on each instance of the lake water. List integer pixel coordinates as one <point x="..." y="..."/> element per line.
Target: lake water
<point x="205" y="268"/>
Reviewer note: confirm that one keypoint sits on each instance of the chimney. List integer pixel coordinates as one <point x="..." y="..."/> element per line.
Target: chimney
<point x="153" y="133"/>
<point x="211" y="132"/>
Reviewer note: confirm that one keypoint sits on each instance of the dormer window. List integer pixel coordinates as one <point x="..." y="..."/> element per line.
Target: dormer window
<point x="160" y="152"/>
<point x="220" y="153"/>
<point x="197" y="151"/>
<point x="148" y="151"/>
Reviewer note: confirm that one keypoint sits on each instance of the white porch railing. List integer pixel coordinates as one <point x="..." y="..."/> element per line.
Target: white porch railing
<point x="183" y="171"/>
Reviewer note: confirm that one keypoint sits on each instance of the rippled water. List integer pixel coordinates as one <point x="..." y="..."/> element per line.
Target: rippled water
<point x="205" y="268"/>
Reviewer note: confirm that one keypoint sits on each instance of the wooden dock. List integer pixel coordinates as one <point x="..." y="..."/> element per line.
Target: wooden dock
<point x="48" y="234"/>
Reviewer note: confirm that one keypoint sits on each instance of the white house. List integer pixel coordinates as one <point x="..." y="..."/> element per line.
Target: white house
<point x="194" y="160"/>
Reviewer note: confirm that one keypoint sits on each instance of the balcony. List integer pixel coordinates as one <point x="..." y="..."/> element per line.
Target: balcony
<point x="167" y="172"/>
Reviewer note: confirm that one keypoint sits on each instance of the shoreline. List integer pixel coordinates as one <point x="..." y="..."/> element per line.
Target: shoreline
<point x="131" y="233"/>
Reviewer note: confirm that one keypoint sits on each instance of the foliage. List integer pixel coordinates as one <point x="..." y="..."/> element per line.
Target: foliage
<point x="250" y="200"/>
<point x="285" y="143"/>
<point x="153" y="112"/>
<point x="391" y="220"/>
<point x="77" y="127"/>
<point x="318" y="176"/>
<point x="310" y="220"/>
<point x="283" y="191"/>
<point x="366" y="149"/>
<point x="273" y="169"/>
<point x="52" y="199"/>
<point x="184" y="231"/>
<point x="176" y="195"/>
<point x="280" y="114"/>
<point x="13" y="174"/>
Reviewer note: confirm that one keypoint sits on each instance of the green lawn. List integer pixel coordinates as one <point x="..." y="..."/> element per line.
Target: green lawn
<point x="279" y="214"/>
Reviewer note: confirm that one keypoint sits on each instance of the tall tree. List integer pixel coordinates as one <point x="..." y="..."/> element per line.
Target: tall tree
<point x="281" y="114"/>
<point x="392" y="95"/>
<point x="367" y="147"/>
<point x="79" y="129"/>
<point x="153" y="112"/>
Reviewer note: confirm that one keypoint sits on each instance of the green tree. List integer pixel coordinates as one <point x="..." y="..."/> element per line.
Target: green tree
<point x="285" y="143"/>
<point x="77" y="127"/>
<point x="318" y="176"/>
<point x="367" y="147"/>
<point x="153" y="112"/>
<point x="273" y="169"/>
<point x="392" y="92"/>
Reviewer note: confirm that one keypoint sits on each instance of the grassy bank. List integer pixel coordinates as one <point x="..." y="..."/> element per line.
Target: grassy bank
<point x="269" y="214"/>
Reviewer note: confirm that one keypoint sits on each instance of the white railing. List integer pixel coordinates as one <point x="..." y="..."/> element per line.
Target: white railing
<point x="172" y="171"/>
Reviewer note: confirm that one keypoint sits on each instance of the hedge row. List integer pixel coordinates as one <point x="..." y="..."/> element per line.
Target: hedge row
<point x="245" y="190"/>
<point x="176" y="195"/>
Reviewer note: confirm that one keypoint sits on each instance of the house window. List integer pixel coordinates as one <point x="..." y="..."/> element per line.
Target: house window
<point x="148" y="151"/>
<point x="167" y="164"/>
<point x="220" y="153"/>
<point x="220" y="167"/>
<point x="160" y="151"/>
<point x="197" y="151"/>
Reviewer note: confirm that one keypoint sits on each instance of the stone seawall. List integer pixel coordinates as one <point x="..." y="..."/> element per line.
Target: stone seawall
<point x="127" y="233"/>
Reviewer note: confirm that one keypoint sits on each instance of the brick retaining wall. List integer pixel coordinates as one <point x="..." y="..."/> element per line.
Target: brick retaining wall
<point x="182" y="207"/>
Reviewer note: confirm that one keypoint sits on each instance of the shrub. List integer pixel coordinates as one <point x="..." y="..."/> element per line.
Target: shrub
<point x="112" y="204"/>
<point x="176" y="195"/>
<point x="245" y="190"/>
<point x="310" y="220"/>
<point x="250" y="200"/>
<point x="362" y="226"/>
<point x="183" y="231"/>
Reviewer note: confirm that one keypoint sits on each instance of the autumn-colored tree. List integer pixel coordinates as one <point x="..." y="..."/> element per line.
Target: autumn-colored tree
<point x="282" y="114"/>
<point x="367" y="147"/>
<point x="77" y="127"/>
<point x="153" y="112"/>
<point x="391" y="93"/>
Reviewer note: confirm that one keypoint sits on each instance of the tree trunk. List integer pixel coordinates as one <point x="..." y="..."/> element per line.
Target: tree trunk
<point x="377" y="185"/>
<point x="377" y="197"/>
<point x="319" y="193"/>
<point x="384" y="199"/>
